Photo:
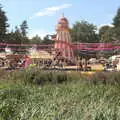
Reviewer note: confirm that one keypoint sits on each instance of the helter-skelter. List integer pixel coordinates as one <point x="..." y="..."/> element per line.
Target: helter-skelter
<point x="62" y="44"/>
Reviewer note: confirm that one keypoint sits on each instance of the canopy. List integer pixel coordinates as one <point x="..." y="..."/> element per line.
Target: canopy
<point x="40" y="54"/>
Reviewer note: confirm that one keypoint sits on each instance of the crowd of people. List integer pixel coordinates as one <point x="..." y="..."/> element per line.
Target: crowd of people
<point x="57" y="61"/>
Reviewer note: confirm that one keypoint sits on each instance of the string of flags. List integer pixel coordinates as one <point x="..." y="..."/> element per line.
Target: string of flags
<point x="79" y="46"/>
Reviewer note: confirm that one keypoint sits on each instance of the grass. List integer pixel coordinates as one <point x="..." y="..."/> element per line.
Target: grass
<point x="71" y="100"/>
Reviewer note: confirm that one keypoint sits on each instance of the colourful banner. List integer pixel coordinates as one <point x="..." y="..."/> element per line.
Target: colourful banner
<point x="79" y="46"/>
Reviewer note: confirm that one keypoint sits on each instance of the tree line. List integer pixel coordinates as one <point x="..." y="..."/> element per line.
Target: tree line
<point x="84" y="31"/>
<point x="81" y="31"/>
<point x="19" y="34"/>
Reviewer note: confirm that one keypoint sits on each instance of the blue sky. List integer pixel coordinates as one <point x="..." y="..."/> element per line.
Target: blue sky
<point x="42" y="15"/>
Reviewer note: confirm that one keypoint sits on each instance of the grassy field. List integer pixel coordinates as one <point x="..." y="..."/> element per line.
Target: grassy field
<point x="71" y="100"/>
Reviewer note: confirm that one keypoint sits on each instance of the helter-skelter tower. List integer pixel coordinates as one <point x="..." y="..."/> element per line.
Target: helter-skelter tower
<point x="63" y="39"/>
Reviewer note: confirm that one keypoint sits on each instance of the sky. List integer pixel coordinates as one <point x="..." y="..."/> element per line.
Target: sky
<point x="42" y="15"/>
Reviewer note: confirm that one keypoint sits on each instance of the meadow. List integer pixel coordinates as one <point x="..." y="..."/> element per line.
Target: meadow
<point x="44" y="95"/>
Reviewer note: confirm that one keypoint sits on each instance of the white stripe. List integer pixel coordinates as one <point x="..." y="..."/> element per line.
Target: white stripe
<point x="64" y="36"/>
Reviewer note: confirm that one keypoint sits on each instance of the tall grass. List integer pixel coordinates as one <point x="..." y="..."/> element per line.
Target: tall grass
<point x="95" y="98"/>
<point x="74" y="101"/>
<point x="37" y="77"/>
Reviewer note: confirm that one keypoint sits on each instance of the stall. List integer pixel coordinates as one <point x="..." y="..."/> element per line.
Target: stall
<point x="40" y="58"/>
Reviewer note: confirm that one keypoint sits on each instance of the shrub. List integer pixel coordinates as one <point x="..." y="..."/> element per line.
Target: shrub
<point x="38" y="77"/>
<point x="112" y="78"/>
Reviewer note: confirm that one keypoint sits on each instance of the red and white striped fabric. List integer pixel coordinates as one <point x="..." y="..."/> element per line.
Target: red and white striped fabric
<point x="62" y="43"/>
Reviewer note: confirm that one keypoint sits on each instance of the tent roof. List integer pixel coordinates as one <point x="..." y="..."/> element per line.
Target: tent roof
<point x="40" y="54"/>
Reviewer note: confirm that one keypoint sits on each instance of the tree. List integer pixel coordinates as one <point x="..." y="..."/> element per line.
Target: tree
<point x="84" y="32"/>
<point x="111" y="34"/>
<point x="116" y="19"/>
<point x="116" y="23"/>
<point x="16" y="37"/>
<point x="107" y="34"/>
<point x="47" y="40"/>
<point x="102" y="30"/>
<point x="3" y="25"/>
<point x="24" y="28"/>
<point x="36" y="40"/>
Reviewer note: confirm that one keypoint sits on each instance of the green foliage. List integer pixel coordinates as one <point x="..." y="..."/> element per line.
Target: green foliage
<point x="103" y="29"/>
<point x="108" y="34"/>
<point x="117" y="33"/>
<point x="111" y="34"/>
<point x="17" y="37"/>
<point x="36" y="40"/>
<point x="24" y="28"/>
<point x="80" y="100"/>
<point x="3" y="25"/>
<point x="116" y="20"/>
<point x="37" y="77"/>
<point x="47" y="40"/>
<point x="11" y="98"/>
<point x="106" y="78"/>
<point x="84" y="32"/>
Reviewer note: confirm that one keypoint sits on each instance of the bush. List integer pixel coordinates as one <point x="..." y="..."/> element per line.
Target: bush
<point x="38" y="77"/>
<point x="112" y="78"/>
